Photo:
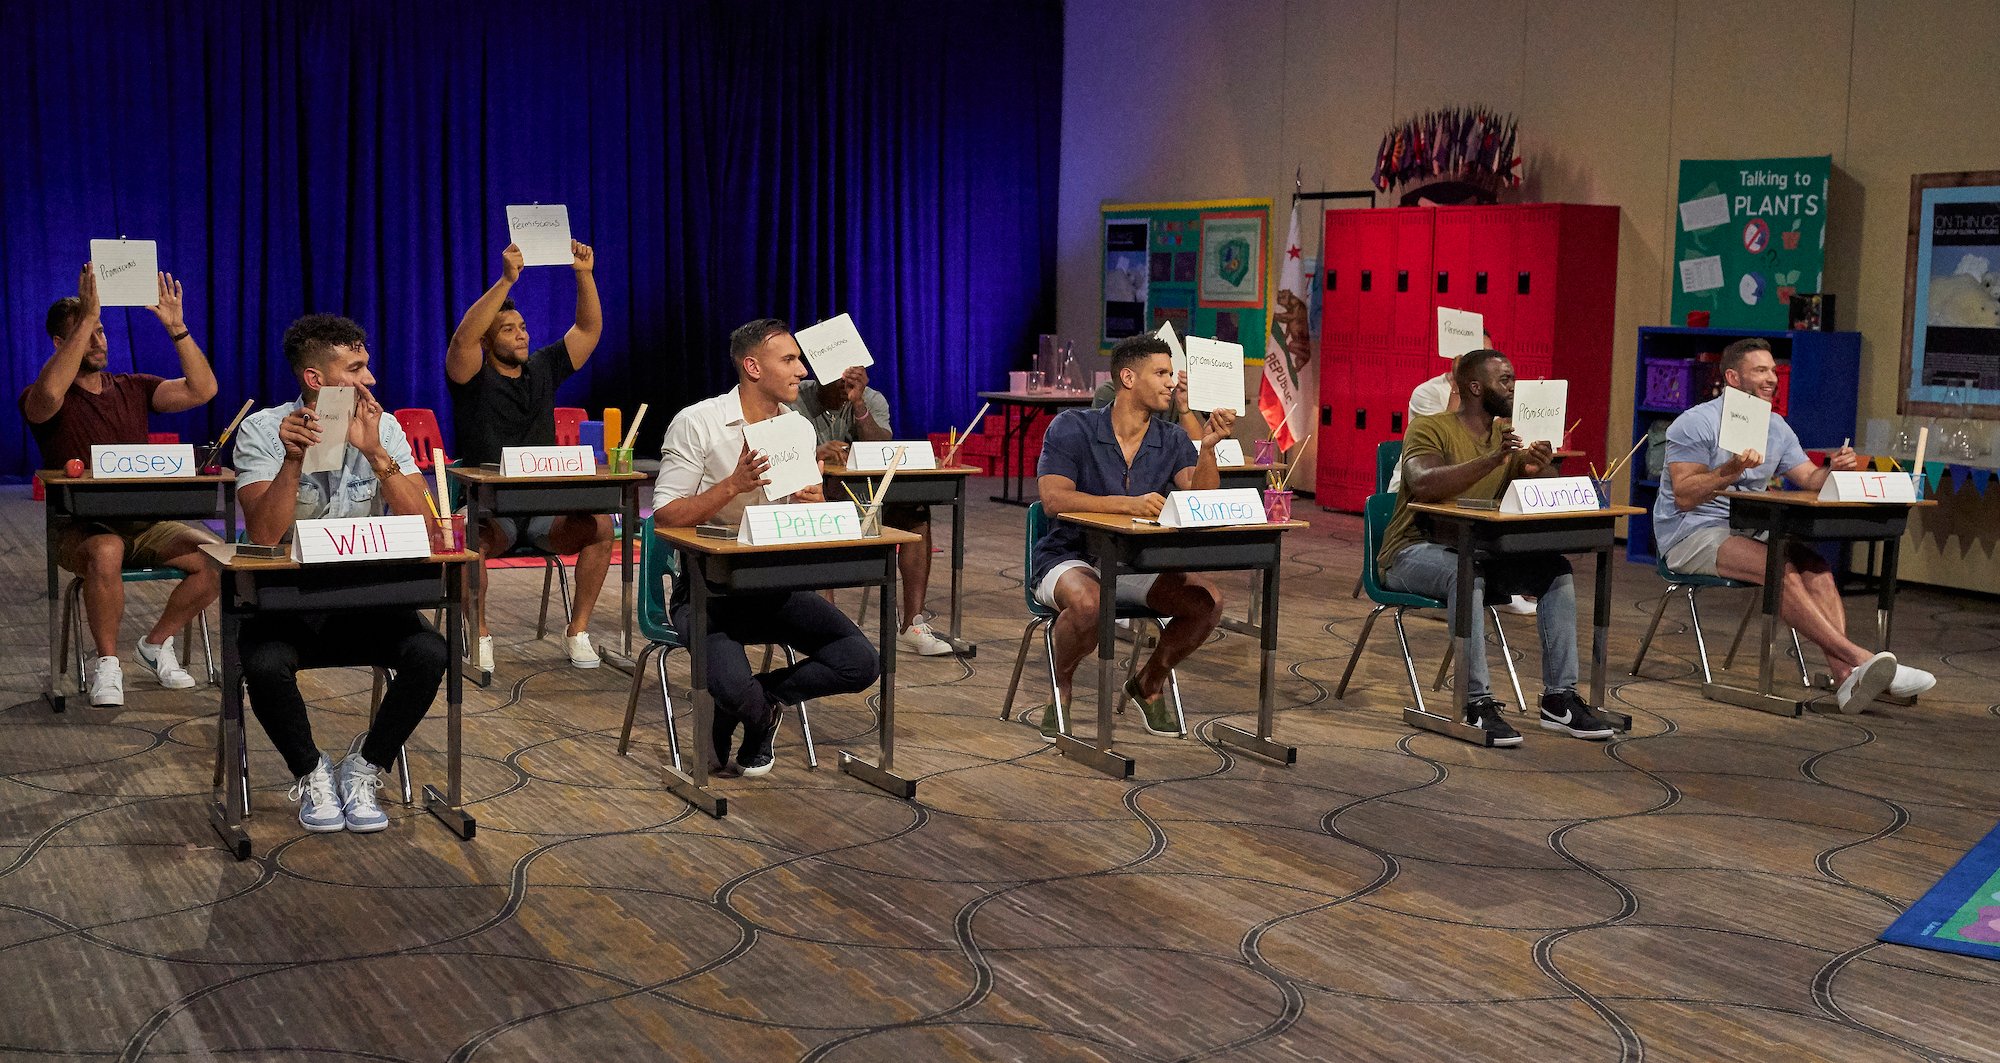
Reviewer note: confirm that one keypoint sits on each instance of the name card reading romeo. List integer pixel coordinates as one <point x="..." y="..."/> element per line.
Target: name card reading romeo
<point x="1868" y="487"/>
<point x="541" y="232"/>
<point x="547" y="461"/>
<point x="138" y="461"/>
<point x="789" y="443"/>
<point x="1539" y="409"/>
<point x="1228" y="452"/>
<point x="1554" y="494"/>
<point x="832" y="347"/>
<point x="917" y="454"/>
<point x="1213" y="509"/>
<point x="799" y="522"/>
<point x="1746" y="423"/>
<point x="128" y="272"/>
<point x="360" y="539"/>
<point x="1215" y="375"/>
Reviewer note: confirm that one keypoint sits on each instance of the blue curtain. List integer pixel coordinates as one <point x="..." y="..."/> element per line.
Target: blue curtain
<point x="727" y="160"/>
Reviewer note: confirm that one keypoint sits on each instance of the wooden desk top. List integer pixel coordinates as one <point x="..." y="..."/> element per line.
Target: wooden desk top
<point x="1276" y="466"/>
<point x="1454" y="510"/>
<point x="59" y="478"/>
<point x="1811" y="499"/>
<point x="689" y="539"/>
<point x="224" y="556"/>
<point x="1040" y="398"/>
<point x="842" y="471"/>
<point x="494" y="476"/>
<point x="1128" y="525"/>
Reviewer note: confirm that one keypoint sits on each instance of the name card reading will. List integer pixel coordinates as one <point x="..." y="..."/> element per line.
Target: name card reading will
<point x="1553" y="494"/>
<point x="799" y="522"/>
<point x="138" y="461"/>
<point x="1228" y="452"/>
<point x="541" y="232"/>
<point x="876" y="454"/>
<point x="1539" y="409"/>
<point x="1213" y="509"/>
<point x="360" y="539"/>
<point x="547" y="461"/>
<point x="789" y="443"/>
<point x="335" y="407"/>
<point x="1215" y="375"/>
<point x="1746" y="423"/>
<point x="832" y="347"/>
<point x="128" y="272"/>
<point x="1460" y="332"/>
<point x="1868" y="487"/>
<point x="1166" y="333"/>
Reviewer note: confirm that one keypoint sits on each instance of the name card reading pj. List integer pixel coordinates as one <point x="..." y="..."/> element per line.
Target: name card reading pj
<point x="799" y="522"/>
<point x="137" y="461"/>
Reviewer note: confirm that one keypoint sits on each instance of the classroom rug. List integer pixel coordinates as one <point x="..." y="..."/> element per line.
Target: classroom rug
<point x="1962" y="912"/>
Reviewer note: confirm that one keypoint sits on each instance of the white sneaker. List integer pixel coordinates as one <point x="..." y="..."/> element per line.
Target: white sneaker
<point x="1518" y="605"/>
<point x="581" y="653"/>
<point x="483" y="660"/>
<point x="165" y="665"/>
<point x="919" y="639"/>
<point x="1866" y="682"/>
<point x="319" y="809"/>
<point x="1910" y="682"/>
<point x="107" y="684"/>
<point x="358" y="782"/>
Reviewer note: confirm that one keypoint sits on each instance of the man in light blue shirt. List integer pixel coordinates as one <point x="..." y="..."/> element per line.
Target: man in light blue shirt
<point x="1691" y="526"/>
<point x="377" y="477"/>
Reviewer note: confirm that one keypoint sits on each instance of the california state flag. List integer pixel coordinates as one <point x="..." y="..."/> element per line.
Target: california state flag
<point x="1282" y="398"/>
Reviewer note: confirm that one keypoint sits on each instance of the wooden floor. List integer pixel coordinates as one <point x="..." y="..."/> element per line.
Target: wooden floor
<point x="1708" y="888"/>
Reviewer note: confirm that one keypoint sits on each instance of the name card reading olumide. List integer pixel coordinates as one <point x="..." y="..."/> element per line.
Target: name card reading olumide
<point x="141" y="461"/>
<point x="1213" y="509"/>
<point x="547" y="461"/>
<point x="877" y="455"/>
<point x="799" y="522"/>
<point x="1868" y="487"/>
<point x="1553" y="494"/>
<point x="360" y="539"/>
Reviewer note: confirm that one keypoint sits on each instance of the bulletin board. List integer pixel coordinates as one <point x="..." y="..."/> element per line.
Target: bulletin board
<point x="1750" y="233"/>
<point x="1203" y="265"/>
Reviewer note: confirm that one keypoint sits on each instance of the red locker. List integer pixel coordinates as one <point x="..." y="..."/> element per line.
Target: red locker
<point x="1340" y="300"/>
<point x="1414" y="322"/>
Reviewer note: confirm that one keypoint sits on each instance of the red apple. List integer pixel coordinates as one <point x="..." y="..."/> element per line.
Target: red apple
<point x="73" y="468"/>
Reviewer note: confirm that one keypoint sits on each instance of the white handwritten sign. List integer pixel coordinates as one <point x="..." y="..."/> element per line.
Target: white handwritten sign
<point x="128" y="272"/>
<point x="1215" y="375"/>
<point x="832" y="346"/>
<point x="360" y="539"/>
<point x="547" y="461"/>
<point x="788" y="442"/>
<point x="1539" y="409"/>
<point x="801" y="522"/>
<point x="541" y="232"/>
<point x="335" y="407"/>
<point x="1746" y="423"/>
<point x="1228" y="452"/>
<point x="140" y="461"/>
<point x="1460" y="332"/>
<point x="1867" y="487"/>
<point x="876" y="454"/>
<point x="1166" y="333"/>
<point x="1213" y="509"/>
<point x="1705" y="213"/>
<point x="1553" y="494"/>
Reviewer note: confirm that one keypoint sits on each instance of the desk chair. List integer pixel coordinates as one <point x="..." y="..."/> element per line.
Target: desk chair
<point x="569" y="425"/>
<point x="72" y="621"/>
<point x="1692" y="582"/>
<point x="1043" y="617"/>
<point x="1387" y="454"/>
<point x="554" y="572"/>
<point x="420" y="427"/>
<point x="1381" y="506"/>
<point x="659" y="563"/>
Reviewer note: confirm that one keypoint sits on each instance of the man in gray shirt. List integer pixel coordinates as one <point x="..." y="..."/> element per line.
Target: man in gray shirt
<point x="1691" y="526"/>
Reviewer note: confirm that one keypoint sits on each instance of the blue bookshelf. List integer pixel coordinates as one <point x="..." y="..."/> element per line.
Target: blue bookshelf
<point x="1824" y="385"/>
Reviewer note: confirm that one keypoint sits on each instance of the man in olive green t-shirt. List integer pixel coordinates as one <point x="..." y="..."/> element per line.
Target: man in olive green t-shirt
<point x="1473" y="453"/>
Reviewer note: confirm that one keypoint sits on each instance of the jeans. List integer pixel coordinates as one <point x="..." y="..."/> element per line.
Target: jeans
<point x="838" y="659"/>
<point x="277" y="647"/>
<point x="1432" y="571"/>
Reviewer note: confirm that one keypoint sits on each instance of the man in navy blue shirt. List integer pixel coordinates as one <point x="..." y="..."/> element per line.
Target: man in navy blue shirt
<point x="1123" y="459"/>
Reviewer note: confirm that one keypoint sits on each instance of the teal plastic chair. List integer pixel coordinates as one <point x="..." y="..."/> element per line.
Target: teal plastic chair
<point x="1692" y="582"/>
<point x="72" y="621"/>
<point x="1375" y="522"/>
<point x="1387" y="454"/>
<point x="1043" y="617"/>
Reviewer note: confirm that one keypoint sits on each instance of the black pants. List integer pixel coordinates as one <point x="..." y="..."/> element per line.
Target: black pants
<point x="276" y="648"/>
<point x="838" y="658"/>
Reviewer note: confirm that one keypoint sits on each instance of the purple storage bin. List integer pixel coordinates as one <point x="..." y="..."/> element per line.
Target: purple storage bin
<point x="1672" y="383"/>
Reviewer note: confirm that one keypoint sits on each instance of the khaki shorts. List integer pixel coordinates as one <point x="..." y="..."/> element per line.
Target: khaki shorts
<point x="1696" y="553"/>
<point x="148" y="544"/>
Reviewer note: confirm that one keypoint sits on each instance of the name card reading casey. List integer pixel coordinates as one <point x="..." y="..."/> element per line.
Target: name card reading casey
<point x="1868" y="487"/>
<point x="140" y="461"/>
<point x="360" y="539"/>
<point x="547" y="461"/>
<point x="1553" y="494"/>
<point x="1213" y="509"/>
<point x="876" y="454"/>
<point x="799" y="522"/>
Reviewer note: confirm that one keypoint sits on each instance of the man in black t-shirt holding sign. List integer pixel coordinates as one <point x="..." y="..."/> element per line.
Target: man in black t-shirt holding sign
<point x="504" y="395"/>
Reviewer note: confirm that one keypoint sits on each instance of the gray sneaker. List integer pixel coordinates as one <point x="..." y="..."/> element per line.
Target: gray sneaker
<point x="319" y="806"/>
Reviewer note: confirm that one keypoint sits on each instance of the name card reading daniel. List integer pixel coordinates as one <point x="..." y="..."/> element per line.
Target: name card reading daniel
<point x="1868" y="487"/>
<point x="139" y="461"/>
<point x="1539" y="409"/>
<point x="541" y="232"/>
<point x="832" y="347"/>
<point x="128" y="272"/>
<point x="1746" y="423"/>
<point x="1551" y="494"/>
<point x="799" y="522"/>
<point x="1213" y="509"/>
<point x="547" y="461"/>
<point x="360" y="539"/>
<point x="917" y="454"/>
<point x="789" y="443"/>
<point x="1215" y="375"/>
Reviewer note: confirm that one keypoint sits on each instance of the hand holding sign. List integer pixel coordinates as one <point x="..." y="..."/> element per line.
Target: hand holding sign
<point x="511" y="263"/>
<point x="788" y="442"/>
<point x="1746" y="423"/>
<point x="749" y="473"/>
<point x="581" y="258"/>
<point x="541" y="232"/>
<point x="1539" y="409"/>
<point x="1215" y="375"/>
<point x="832" y="346"/>
<point x="127" y="271"/>
<point x="333" y="409"/>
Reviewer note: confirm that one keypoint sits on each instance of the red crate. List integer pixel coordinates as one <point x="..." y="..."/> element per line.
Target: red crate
<point x="1784" y="395"/>
<point x="160" y="438"/>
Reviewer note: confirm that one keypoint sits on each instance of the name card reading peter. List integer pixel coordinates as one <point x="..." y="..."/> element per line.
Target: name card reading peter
<point x="547" y="461"/>
<point x="789" y="443"/>
<point x="360" y="539"/>
<point x="832" y="347"/>
<point x="141" y="461"/>
<point x="1213" y="509"/>
<point x="541" y="232"/>
<point x="799" y="522"/>
<point x="876" y="454"/>
<point x="1868" y="487"/>
<point x="128" y="272"/>
<point x="1552" y="494"/>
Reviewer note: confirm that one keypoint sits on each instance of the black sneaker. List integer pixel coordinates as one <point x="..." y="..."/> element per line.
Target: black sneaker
<point x="754" y="758"/>
<point x="1490" y="716"/>
<point x="719" y="764"/>
<point x="1563" y="711"/>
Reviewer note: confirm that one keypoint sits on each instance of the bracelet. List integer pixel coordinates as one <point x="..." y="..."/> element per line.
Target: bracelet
<point x="183" y="334"/>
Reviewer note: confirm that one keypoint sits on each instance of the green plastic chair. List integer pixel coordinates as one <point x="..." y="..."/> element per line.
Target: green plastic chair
<point x="1387" y="454"/>
<point x="1692" y="582"/>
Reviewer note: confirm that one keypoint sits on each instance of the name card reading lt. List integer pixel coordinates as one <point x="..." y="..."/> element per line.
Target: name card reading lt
<point x="138" y="461"/>
<point x="547" y="461"/>
<point x="1868" y="487"/>
<point x="1555" y="494"/>
<point x="360" y="539"/>
<point x="1213" y="509"/>
<point x="799" y="522"/>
